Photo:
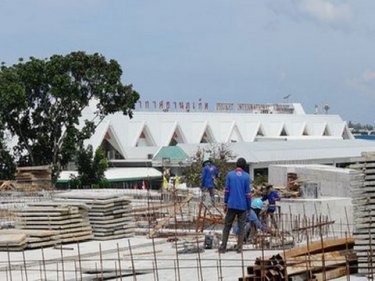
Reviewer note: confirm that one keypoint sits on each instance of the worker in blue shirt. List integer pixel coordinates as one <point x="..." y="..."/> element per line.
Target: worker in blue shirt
<point x="271" y="196"/>
<point x="208" y="178"/>
<point x="253" y="222"/>
<point x="237" y="200"/>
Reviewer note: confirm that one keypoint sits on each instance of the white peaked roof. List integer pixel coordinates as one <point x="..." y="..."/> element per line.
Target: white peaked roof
<point x="250" y="130"/>
<point x="160" y="128"/>
<point x="293" y="150"/>
<point x="106" y="131"/>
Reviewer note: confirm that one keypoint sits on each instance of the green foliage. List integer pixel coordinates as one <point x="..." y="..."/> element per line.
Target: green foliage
<point x="90" y="168"/>
<point x="42" y="102"/>
<point x="359" y="126"/>
<point x="259" y="180"/>
<point x="219" y="154"/>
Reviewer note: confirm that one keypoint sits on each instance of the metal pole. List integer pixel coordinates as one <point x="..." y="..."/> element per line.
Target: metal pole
<point x="199" y="260"/>
<point x="62" y="262"/>
<point x="9" y="264"/>
<point x="155" y="260"/>
<point x="322" y="245"/>
<point x="24" y="265"/>
<point x="119" y="261"/>
<point x="132" y="261"/>
<point x="44" y="264"/>
<point x="79" y="261"/>
<point x="101" y="260"/>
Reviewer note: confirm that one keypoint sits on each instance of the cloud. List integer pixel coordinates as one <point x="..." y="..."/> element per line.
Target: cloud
<point x="333" y="13"/>
<point x="364" y="84"/>
<point x="326" y="11"/>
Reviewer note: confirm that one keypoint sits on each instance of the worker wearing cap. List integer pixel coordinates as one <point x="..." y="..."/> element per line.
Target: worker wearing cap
<point x="209" y="175"/>
<point x="271" y="196"/>
<point x="237" y="199"/>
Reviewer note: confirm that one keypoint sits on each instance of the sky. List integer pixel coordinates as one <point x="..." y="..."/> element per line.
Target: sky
<point x="320" y="52"/>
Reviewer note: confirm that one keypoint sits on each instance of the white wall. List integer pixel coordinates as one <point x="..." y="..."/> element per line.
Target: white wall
<point x="333" y="181"/>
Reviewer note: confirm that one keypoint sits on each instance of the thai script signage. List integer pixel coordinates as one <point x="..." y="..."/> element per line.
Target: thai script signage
<point x="199" y="106"/>
<point x="173" y="105"/>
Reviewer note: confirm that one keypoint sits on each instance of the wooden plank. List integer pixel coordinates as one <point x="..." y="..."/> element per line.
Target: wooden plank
<point x="335" y="258"/>
<point x="331" y="274"/>
<point x="316" y="247"/>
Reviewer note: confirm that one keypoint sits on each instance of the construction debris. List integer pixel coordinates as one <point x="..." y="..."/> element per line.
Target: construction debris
<point x="7" y="186"/>
<point x="318" y="260"/>
<point x="33" y="178"/>
<point x="189" y="245"/>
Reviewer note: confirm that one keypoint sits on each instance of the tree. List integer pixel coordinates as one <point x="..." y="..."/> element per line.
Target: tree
<point x="219" y="154"/>
<point x="42" y="102"/>
<point x="91" y="168"/>
<point x="7" y="165"/>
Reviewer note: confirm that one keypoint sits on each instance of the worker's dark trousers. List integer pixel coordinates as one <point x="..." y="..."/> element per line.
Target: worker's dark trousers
<point x="229" y="218"/>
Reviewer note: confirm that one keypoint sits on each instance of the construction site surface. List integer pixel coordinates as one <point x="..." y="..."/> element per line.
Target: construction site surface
<point x="117" y="234"/>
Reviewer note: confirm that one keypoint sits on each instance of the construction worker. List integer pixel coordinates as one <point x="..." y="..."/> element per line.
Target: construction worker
<point x="253" y="222"/>
<point x="237" y="199"/>
<point x="208" y="178"/>
<point x="271" y="196"/>
<point x="166" y="176"/>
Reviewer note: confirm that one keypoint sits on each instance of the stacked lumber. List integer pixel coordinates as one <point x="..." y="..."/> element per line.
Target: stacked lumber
<point x="319" y="260"/>
<point x="7" y="186"/>
<point x="292" y="182"/>
<point x="110" y="216"/>
<point x="20" y="239"/>
<point x="70" y="222"/>
<point x="284" y="191"/>
<point x="363" y="192"/>
<point x="34" y="178"/>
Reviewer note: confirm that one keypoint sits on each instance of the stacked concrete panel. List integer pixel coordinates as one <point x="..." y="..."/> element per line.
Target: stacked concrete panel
<point x="111" y="216"/>
<point x="70" y="222"/>
<point x="20" y="239"/>
<point x="364" y="211"/>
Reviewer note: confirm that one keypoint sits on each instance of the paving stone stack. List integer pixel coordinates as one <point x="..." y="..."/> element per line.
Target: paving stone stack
<point x="364" y="214"/>
<point x="71" y="222"/>
<point x="20" y="239"/>
<point x="13" y="242"/>
<point x="111" y="216"/>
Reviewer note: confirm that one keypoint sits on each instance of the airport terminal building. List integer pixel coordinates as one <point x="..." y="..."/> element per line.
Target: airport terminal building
<point x="262" y="133"/>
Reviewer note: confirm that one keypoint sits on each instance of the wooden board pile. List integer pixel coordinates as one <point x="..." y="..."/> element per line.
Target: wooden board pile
<point x="33" y="178"/>
<point x="20" y="239"/>
<point x="317" y="261"/>
<point x="363" y="192"/>
<point x="7" y="186"/>
<point x="70" y="222"/>
<point x="110" y="215"/>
